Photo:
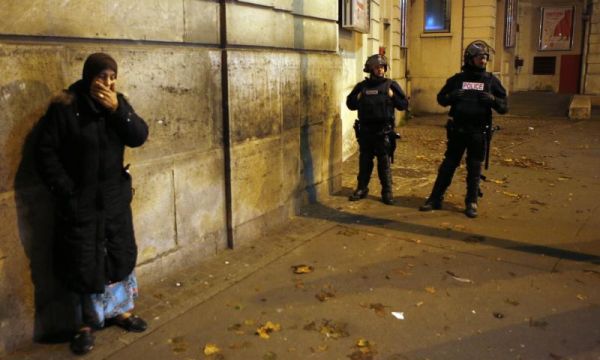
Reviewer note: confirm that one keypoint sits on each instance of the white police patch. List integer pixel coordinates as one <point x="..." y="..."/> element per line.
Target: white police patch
<point x="472" y="86"/>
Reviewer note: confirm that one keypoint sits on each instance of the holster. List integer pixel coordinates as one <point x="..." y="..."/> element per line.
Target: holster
<point x="357" y="129"/>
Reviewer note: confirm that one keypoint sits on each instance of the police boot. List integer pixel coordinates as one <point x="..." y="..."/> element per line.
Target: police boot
<point x="384" y="171"/>
<point x="359" y="193"/>
<point x="431" y="204"/>
<point x="473" y="191"/>
<point x="387" y="198"/>
<point x="471" y="210"/>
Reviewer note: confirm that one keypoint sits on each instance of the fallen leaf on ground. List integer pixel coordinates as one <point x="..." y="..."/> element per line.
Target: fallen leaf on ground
<point x="379" y="309"/>
<point x="319" y="349"/>
<point x="266" y="329"/>
<point x="178" y="344"/>
<point x="430" y="289"/>
<point x="237" y="328"/>
<point x="511" y="194"/>
<point x="298" y="284"/>
<point x="329" y="328"/>
<point x="210" y="349"/>
<point x="366" y="350"/>
<point x="302" y="269"/>
<point x="324" y="295"/>
<point x="363" y="343"/>
<point x="270" y="356"/>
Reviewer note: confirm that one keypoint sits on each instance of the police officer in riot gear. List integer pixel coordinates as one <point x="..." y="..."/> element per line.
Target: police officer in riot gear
<point x="471" y="94"/>
<point x="375" y="99"/>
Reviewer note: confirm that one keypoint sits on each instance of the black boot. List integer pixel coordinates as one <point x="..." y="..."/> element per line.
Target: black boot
<point x="365" y="167"/>
<point x="359" y="194"/>
<point x="442" y="181"/>
<point x="384" y="171"/>
<point x="387" y="198"/>
<point x="471" y="210"/>
<point x="430" y="205"/>
<point x="473" y="181"/>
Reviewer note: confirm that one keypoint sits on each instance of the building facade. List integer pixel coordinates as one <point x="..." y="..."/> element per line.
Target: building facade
<point x="245" y="100"/>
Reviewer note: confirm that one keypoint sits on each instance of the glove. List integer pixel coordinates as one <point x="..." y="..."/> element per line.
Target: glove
<point x="486" y="98"/>
<point x="456" y="94"/>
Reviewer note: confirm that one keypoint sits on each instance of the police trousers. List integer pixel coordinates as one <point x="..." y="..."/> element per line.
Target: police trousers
<point x="461" y="140"/>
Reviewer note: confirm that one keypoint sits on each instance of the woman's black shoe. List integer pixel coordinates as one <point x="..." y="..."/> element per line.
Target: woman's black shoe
<point x="132" y="323"/>
<point x="83" y="342"/>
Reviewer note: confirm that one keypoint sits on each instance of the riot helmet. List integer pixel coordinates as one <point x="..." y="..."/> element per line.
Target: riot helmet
<point x="373" y="61"/>
<point x="476" y="48"/>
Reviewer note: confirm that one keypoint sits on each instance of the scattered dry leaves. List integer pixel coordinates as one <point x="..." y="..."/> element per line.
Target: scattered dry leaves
<point x="329" y="328"/>
<point x="265" y="330"/>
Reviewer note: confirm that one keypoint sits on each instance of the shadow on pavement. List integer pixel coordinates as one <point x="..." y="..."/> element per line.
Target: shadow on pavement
<point x="321" y="211"/>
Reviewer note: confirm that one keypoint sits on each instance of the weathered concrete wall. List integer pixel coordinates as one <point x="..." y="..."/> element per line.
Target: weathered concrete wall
<point x="285" y="130"/>
<point x="171" y="21"/>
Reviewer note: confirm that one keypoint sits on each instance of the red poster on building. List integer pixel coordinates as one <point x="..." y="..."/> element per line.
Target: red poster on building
<point x="556" y="28"/>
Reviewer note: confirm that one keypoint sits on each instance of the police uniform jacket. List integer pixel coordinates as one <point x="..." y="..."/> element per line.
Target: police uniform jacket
<point x="398" y="101"/>
<point x="79" y="154"/>
<point x="469" y="111"/>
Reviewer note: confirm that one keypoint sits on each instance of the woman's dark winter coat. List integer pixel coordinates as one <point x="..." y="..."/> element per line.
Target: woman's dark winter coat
<point x="79" y="155"/>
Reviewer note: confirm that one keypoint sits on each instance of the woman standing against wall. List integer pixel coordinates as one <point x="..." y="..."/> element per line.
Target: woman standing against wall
<point x="79" y="155"/>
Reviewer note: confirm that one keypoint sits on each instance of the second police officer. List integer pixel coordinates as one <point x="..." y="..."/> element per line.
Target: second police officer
<point x="471" y="95"/>
<point x="375" y="98"/>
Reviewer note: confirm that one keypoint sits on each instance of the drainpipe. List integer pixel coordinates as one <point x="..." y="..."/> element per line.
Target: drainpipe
<point x="462" y="34"/>
<point x="225" y="114"/>
<point x="585" y="24"/>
